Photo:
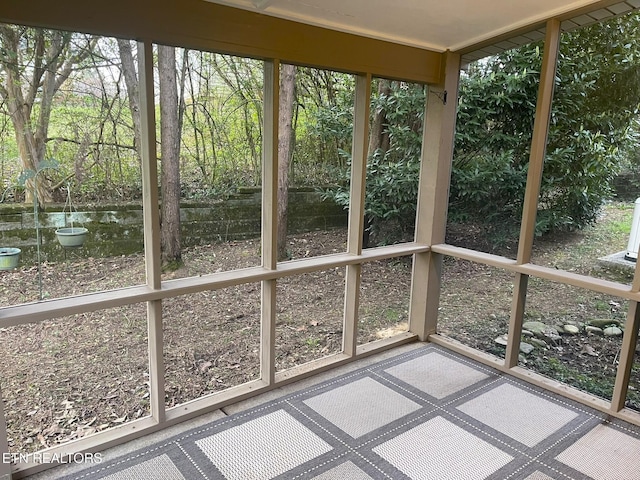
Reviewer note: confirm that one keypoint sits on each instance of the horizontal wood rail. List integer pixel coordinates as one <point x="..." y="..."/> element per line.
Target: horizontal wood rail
<point x="50" y="309"/>
<point x="547" y="273"/>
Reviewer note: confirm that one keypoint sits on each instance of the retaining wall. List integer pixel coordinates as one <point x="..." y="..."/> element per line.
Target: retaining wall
<point x="118" y="229"/>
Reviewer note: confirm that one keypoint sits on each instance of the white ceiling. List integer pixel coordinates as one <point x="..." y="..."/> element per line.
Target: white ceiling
<point x="433" y="24"/>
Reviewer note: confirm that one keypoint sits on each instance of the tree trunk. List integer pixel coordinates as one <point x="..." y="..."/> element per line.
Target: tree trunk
<point x="379" y="136"/>
<point x="36" y="63"/>
<point x="170" y="157"/>
<point x="378" y="141"/>
<point x="131" y="83"/>
<point x="285" y="150"/>
<point x="30" y="136"/>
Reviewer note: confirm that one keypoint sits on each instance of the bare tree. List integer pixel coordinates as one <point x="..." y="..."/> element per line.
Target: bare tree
<point x="241" y="76"/>
<point x="286" y="137"/>
<point x="35" y="63"/>
<point x="170" y="156"/>
<point x="131" y="82"/>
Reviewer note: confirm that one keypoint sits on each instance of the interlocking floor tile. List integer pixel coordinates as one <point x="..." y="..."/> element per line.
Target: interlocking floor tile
<point x="346" y="471"/>
<point x="161" y="466"/>
<point x="440" y="450"/>
<point x="436" y="375"/>
<point x="604" y="453"/>
<point x="376" y="422"/>
<point x="262" y="448"/>
<point x="521" y="415"/>
<point x="538" y="476"/>
<point x="361" y="406"/>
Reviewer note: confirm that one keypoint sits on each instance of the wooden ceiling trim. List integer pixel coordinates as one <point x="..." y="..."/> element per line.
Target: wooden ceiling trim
<point x="207" y="26"/>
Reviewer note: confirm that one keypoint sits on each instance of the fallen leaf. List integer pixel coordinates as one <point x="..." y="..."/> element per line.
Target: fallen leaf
<point x="205" y="366"/>
<point x="588" y="349"/>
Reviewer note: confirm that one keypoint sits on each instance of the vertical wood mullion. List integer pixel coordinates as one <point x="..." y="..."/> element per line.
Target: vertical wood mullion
<point x="433" y="197"/>
<point x="156" y="360"/>
<point x="356" y="211"/>
<point x="150" y="197"/>
<point x="539" y="140"/>
<point x="627" y="356"/>
<point x="534" y="180"/>
<point x="515" y="320"/>
<point x="269" y="218"/>
<point x="151" y="218"/>
<point x="627" y="349"/>
<point x="5" y="468"/>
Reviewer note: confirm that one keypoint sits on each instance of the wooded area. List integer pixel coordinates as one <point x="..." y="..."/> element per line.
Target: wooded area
<point x="73" y="99"/>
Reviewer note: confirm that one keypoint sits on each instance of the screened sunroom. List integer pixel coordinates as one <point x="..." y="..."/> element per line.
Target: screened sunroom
<point x="408" y="398"/>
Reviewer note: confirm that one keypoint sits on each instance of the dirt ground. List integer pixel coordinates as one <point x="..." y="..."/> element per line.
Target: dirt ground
<point x="73" y="376"/>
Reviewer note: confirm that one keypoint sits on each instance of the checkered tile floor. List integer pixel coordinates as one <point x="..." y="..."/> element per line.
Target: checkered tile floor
<point x="426" y="414"/>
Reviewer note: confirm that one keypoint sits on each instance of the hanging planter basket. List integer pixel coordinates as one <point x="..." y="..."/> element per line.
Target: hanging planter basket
<point x="9" y="258"/>
<point x="71" y="237"/>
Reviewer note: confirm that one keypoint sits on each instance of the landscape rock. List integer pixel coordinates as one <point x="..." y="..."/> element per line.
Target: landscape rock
<point x="591" y="330"/>
<point x="553" y="335"/>
<point x="526" y="348"/>
<point x="502" y="340"/>
<point x="612" y="332"/>
<point x="536" y="342"/>
<point x="538" y="328"/>
<point x="603" y="322"/>
<point x="571" y="330"/>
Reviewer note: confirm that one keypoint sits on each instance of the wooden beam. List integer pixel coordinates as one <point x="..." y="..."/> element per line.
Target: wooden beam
<point x="197" y="24"/>
<point x="532" y="191"/>
<point x="539" y="141"/>
<point x="5" y="467"/>
<point x="515" y="321"/>
<point x="359" y="153"/>
<point x="555" y="275"/>
<point x="61" y="307"/>
<point x="627" y="349"/>
<point x="627" y="357"/>
<point x="270" y="165"/>
<point x="151" y="216"/>
<point x="356" y="211"/>
<point x="269" y="219"/>
<point x="433" y="197"/>
<point x="150" y="200"/>
<point x="156" y="360"/>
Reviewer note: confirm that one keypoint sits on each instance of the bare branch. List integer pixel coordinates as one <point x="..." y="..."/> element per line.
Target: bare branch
<point x="90" y="144"/>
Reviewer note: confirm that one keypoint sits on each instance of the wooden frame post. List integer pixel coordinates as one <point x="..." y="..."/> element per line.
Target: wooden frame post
<point x="359" y="155"/>
<point x="151" y="213"/>
<point x="269" y="218"/>
<point x="627" y="349"/>
<point x="5" y="467"/>
<point x="534" y="180"/>
<point x="433" y="197"/>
